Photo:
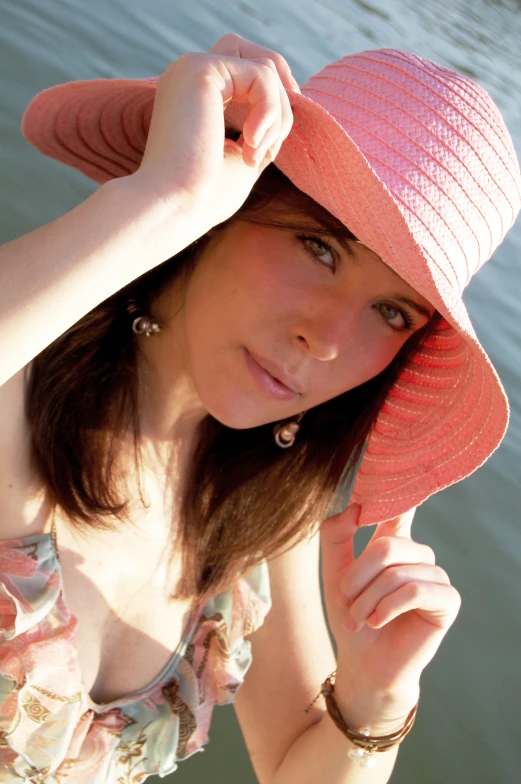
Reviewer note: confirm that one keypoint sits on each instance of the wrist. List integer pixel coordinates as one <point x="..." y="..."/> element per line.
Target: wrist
<point x="160" y="228"/>
<point x="380" y="712"/>
<point x="367" y="741"/>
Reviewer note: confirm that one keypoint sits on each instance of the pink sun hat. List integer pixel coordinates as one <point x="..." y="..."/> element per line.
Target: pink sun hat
<point x="417" y="162"/>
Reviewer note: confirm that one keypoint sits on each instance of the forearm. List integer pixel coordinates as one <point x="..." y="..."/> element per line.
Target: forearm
<point x="321" y="754"/>
<point x="53" y="276"/>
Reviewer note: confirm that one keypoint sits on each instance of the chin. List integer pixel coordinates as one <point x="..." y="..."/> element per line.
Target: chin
<point x="237" y="420"/>
<point x="237" y="414"/>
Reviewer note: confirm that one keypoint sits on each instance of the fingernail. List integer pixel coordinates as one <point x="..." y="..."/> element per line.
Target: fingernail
<point x="372" y="619"/>
<point x="259" y="134"/>
<point x="355" y="510"/>
<point x="350" y="624"/>
<point x="260" y="153"/>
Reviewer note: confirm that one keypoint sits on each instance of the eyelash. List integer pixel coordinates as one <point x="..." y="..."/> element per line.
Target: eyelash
<point x="408" y="323"/>
<point x="305" y="238"/>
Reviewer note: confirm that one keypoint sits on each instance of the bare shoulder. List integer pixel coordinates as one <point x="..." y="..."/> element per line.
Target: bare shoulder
<point x="292" y="654"/>
<point x="18" y="515"/>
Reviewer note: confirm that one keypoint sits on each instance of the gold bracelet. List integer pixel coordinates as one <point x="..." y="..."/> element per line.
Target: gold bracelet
<point x="365" y="745"/>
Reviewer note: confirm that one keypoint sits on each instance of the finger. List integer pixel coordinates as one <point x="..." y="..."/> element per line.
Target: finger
<point x="336" y="544"/>
<point x="237" y="46"/>
<point x="275" y="136"/>
<point x="272" y="134"/>
<point x="386" y="583"/>
<point x="264" y="123"/>
<point x="379" y="555"/>
<point x="286" y="123"/>
<point x="436" y="604"/>
<point x="209" y="81"/>
<point x="270" y="117"/>
<point x="398" y="526"/>
<point x="256" y="84"/>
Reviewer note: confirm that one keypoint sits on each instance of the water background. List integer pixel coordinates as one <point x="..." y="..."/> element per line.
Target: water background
<point x="468" y="729"/>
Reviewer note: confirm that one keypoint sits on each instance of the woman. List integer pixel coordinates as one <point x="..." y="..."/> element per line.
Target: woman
<point x="172" y="428"/>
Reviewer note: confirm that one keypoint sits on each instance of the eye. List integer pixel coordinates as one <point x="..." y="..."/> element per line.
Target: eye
<point x="320" y="251"/>
<point x="397" y="318"/>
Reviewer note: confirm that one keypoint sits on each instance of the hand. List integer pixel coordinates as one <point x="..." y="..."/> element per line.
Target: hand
<point x="187" y="158"/>
<point x="388" y="609"/>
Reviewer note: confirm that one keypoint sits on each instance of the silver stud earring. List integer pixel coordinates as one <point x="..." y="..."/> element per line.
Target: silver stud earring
<point x="286" y="433"/>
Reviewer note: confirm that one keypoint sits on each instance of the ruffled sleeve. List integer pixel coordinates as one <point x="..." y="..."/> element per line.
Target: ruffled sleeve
<point x="40" y="682"/>
<point x="29" y="584"/>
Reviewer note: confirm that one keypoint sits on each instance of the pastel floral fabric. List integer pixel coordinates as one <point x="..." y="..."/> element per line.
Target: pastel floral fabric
<point x="50" y="729"/>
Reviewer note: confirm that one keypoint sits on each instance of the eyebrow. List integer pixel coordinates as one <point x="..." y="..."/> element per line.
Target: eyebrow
<point x="321" y="228"/>
<point x="414" y="305"/>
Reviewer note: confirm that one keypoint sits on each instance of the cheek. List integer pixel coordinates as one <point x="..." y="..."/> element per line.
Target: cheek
<point x="363" y="359"/>
<point x="378" y="344"/>
<point x="208" y="315"/>
<point x="236" y="295"/>
<point x="377" y="356"/>
<point x="220" y="316"/>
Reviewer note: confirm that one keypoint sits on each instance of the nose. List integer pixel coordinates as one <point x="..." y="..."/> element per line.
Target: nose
<point x="324" y="331"/>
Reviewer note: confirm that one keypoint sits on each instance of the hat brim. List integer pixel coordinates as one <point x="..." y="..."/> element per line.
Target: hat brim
<point x="99" y="127"/>
<point x="448" y="411"/>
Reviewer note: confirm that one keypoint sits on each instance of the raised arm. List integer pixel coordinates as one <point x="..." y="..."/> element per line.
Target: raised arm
<point x="388" y="609"/>
<point x="53" y="276"/>
<point x="190" y="179"/>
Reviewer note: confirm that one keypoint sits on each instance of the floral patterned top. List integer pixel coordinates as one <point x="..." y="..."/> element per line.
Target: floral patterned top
<point x="50" y="729"/>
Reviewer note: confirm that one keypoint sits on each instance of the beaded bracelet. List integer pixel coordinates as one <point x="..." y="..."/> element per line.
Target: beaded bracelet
<point x="365" y="745"/>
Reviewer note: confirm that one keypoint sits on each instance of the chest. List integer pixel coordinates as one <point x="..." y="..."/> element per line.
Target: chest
<point x="119" y="589"/>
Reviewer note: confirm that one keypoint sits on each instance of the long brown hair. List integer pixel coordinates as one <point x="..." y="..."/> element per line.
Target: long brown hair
<point x="245" y="498"/>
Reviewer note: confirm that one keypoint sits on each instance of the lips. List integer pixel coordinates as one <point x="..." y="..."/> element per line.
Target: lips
<point x="272" y="379"/>
<point x="279" y="374"/>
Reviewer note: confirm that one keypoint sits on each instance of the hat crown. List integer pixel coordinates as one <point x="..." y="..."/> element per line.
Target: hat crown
<point x="438" y="143"/>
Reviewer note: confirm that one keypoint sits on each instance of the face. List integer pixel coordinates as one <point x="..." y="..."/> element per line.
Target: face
<point x="275" y="321"/>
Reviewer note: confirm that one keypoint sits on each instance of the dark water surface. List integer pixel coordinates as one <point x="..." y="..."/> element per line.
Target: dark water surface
<point x="468" y="729"/>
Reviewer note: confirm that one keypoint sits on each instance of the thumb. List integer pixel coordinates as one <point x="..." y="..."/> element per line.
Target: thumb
<point x="336" y="542"/>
